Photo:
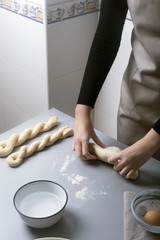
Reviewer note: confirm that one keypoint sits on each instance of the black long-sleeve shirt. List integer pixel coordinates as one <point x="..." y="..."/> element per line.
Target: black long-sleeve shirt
<point x="103" y="51"/>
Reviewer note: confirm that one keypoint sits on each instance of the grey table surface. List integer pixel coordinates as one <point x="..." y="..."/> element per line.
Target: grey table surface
<point x="95" y="205"/>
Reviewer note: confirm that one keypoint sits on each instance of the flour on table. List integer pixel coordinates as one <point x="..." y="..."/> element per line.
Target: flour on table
<point x="67" y="161"/>
<point x="73" y="158"/>
<point x="71" y="177"/>
<point x="65" y="165"/>
<point x="92" y="195"/>
<point x="76" y="179"/>
<point x="82" y="193"/>
<point x="102" y="193"/>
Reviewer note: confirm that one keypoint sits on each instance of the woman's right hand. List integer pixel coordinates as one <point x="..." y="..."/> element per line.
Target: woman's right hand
<point x="83" y="132"/>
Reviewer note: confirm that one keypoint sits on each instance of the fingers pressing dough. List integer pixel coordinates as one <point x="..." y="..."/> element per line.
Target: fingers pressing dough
<point x="15" y="140"/>
<point x="16" y="158"/>
<point x="104" y="153"/>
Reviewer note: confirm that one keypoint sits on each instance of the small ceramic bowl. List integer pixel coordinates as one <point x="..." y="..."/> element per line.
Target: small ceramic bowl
<point x="40" y="203"/>
<point x="143" y="202"/>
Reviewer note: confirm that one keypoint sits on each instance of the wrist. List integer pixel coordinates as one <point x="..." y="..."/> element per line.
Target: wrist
<point x="152" y="141"/>
<point x="82" y="110"/>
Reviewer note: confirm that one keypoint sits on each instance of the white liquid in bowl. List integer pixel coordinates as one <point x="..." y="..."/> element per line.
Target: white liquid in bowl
<point x="41" y="204"/>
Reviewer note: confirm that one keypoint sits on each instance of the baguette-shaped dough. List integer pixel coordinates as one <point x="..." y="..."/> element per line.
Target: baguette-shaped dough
<point x="15" y="140"/>
<point x="104" y="153"/>
<point x="16" y="158"/>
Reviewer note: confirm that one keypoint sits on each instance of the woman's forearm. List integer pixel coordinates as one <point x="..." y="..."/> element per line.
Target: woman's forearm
<point x="152" y="141"/>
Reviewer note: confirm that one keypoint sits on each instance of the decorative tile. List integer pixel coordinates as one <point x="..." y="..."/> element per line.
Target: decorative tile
<point x="62" y="10"/>
<point x="24" y="8"/>
<point x="70" y="9"/>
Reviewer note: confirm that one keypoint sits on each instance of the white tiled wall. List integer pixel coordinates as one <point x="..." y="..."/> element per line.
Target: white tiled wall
<point x="64" y="91"/>
<point x="42" y="63"/>
<point x="23" y="91"/>
<point x="105" y="111"/>
<point x="22" y="41"/>
<point x="69" y="44"/>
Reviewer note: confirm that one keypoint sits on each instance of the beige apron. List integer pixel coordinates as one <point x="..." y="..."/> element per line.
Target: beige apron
<point x="139" y="106"/>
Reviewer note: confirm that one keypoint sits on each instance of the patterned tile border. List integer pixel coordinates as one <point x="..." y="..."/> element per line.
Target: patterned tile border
<point x="63" y="10"/>
<point x="24" y="8"/>
<point x="70" y="9"/>
<point x="55" y="12"/>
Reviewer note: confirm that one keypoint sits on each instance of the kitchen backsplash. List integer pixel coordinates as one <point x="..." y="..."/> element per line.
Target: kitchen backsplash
<point x="56" y="11"/>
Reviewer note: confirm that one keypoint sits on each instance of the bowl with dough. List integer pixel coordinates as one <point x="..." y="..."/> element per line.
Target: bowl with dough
<point x="145" y="207"/>
<point x="40" y="203"/>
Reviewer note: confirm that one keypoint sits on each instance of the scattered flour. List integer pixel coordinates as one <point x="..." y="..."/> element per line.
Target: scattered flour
<point x="67" y="161"/>
<point x="76" y="179"/>
<point x="82" y="194"/>
<point x="73" y="158"/>
<point x="85" y="194"/>
<point x="65" y="165"/>
<point x="102" y="193"/>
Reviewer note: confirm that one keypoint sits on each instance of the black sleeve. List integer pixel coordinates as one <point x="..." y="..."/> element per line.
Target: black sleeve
<point x="103" y="50"/>
<point x="156" y="126"/>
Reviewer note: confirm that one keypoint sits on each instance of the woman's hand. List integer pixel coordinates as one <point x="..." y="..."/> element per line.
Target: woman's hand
<point x="83" y="132"/>
<point x="133" y="157"/>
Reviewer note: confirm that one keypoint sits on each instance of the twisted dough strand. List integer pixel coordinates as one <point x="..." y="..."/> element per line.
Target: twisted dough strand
<point x="15" y="140"/>
<point x="16" y="158"/>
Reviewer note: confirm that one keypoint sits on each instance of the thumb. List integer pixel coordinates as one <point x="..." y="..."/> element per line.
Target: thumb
<point x="98" y="141"/>
<point x="114" y="158"/>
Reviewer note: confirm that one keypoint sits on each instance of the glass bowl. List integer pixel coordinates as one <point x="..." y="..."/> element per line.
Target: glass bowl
<point x="143" y="202"/>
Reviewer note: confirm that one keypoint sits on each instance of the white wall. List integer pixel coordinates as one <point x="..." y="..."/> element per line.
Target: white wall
<point x="42" y="63"/>
<point x="70" y="42"/>
<point x="105" y="111"/>
<point x="23" y="92"/>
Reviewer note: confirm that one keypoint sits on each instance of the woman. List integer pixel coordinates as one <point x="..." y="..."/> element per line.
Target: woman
<point x="138" y="121"/>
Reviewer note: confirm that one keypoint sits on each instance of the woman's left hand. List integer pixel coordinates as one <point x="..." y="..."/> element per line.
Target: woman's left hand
<point x="133" y="157"/>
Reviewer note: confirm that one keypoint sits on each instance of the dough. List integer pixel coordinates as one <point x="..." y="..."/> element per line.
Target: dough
<point x="16" y="158"/>
<point x="104" y="153"/>
<point x="15" y="140"/>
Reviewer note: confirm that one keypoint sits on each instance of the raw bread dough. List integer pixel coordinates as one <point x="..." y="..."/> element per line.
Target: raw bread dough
<point x="15" y="140"/>
<point x="104" y="153"/>
<point x="16" y="158"/>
